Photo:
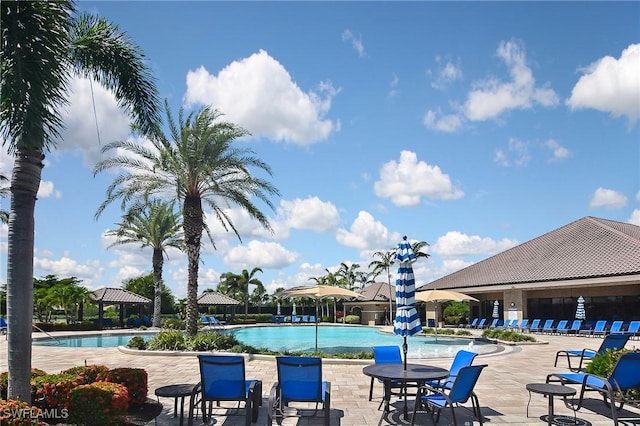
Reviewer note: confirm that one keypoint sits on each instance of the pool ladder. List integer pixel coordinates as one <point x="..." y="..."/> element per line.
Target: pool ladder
<point x="47" y="333"/>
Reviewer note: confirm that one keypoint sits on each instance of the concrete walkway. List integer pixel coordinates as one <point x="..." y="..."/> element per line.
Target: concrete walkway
<point x="501" y="387"/>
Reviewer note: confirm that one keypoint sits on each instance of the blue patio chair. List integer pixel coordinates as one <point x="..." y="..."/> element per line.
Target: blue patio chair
<point x="305" y="318"/>
<point x="312" y="318"/>
<point x="462" y="359"/>
<point x="3" y="325"/>
<point x="624" y="376"/>
<point x="634" y="328"/>
<point x="386" y="355"/>
<point x="562" y="327"/>
<point x="481" y="323"/>
<point x="473" y="323"/>
<point x="436" y="399"/>
<point x="574" y="329"/>
<point x="535" y="326"/>
<point x="494" y="323"/>
<point x="299" y="380"/>
<point x="222" y="378"/>
<point x="205" y="320"/>
<point x="295" y="318"/>
<point x="547" y="327"/>
<point x="215" y="322"/>
<point x="610" y="342"/>
<point x="524" y="325"/>
<point x="616" y="327"/>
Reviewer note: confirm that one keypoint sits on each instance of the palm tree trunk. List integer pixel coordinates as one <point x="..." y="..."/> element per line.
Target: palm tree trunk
<point x="157" y="261"/>
<point x="27" y="172"/>
<point x="192" y="224"/>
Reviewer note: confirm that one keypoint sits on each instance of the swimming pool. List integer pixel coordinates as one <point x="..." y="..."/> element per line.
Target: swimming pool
<point x="346" y="339"/>
<point x="91" y="341"/>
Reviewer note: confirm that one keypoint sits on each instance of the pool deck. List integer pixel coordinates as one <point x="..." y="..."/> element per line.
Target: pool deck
<point x="501" y="387"/>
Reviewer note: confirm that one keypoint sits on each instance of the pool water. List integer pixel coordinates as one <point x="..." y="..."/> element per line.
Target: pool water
<point x="95" y="341"/>
<point x="345" y="339"/>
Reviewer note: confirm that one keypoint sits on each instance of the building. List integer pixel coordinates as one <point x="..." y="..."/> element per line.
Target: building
<point x="598" y="259"/>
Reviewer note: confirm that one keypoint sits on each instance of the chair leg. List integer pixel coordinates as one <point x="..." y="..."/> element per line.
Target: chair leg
<point x="371" y="390"/>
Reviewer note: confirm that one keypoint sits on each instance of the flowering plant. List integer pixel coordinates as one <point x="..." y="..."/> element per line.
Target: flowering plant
<point x="18" y="413"/>
<point x="99" y="404"/>
<point x="4" y="381"/>
<point x="88" y="373"/>
<point x="135" y="379"/>
<point x="53" y="390"/>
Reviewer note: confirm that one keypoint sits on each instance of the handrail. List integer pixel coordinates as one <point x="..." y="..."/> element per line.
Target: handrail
<point x="46" y="332"/>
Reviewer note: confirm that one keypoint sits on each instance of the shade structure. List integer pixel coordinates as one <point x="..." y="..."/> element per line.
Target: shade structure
<point x="120" y="296"/>
<point x="581" y="314"/>
<point x="212" y="298"/>
<point x="496" y="307"/>
<point x="438" y="296"/>
<point x="318" y="292"/>
<point x="407" y="321"/>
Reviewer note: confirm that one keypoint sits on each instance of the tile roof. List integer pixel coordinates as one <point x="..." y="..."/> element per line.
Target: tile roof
<point x="215" y="298"/>
<point x="118" y="295"/>
<point x="378" y="292"/>
<point x="587" y="248"/>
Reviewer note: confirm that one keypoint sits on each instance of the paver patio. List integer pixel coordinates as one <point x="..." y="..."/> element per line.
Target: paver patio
<point x="501" y="388"/>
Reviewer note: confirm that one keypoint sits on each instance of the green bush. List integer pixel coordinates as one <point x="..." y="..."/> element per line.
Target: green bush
<point x="172" y="340"/>
<point x="27" y="415"/>
<point x="137" y="342"/>
<point x="443" y="331"/>
<point x="88" y="373"/>
<point x="99" y="404"/>
<point x="211" y="341"/>
<point x="175" y="324"/>
<point x="4" y="382"/>
<point x="602" y="365"/>
<point x="134" y="379"/>
<point x="507" y="335"/>
<point x="463" y="333"/>
<point x="352" y="319"/>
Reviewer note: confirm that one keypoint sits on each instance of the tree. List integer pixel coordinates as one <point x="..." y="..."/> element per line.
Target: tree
<point x="43" y="44"/>
<point x="349" y="275"/>
<point x="4" y="191"/>
<point x="144" y="285"/>
<point x="199" y="164"/>
<point x="383" y="264"/>
<point x="244" y="279"/>
<point x="152" y="224"/>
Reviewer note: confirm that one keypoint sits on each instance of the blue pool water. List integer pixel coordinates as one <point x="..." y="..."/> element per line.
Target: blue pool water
<point x="340" y="339"/>
<point x="95" y="341"/>
<point x="331" y="339"/>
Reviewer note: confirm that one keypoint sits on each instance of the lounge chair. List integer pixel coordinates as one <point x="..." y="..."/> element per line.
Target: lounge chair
<point x="299" y="380"/>
<point x="481" y="323"/>
<point x="215" y="322"/>
<point x="535" y="326"/>
<point x="462" y="359"/>
<point x="599" y="329"/>
<point x="616" y="327"/>
<point x="435" y="399"/>
<point x="624" y="376"/>
<point x="205" y="320"/>
<point x="295" y="318"/>
<point x="222" y="378"/>
<point x="473" y="323"/>
<point x="547" y="327"/>
<point x="3" y="326"/>
<point x="305" y="318"/>
<point x="312" y="318"/>
<point x="574" y="329"/>
<point x="634" y="328"/>
<point x="524" y="325"/>
<point x="494" y="323"/>
<point x="610" y="342"/>
<point x="562" y="327"/>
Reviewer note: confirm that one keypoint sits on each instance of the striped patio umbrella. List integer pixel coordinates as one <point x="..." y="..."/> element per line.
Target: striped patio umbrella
<point x="407" y="321"/>
<point x="581" y="314"/>
<point x="496" y="311"/>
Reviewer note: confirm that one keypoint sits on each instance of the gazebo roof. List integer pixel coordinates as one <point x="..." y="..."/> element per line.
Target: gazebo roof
<point x="378" y="292"/>
<point x="215" y="298"/>
<point x="118" y="295"/>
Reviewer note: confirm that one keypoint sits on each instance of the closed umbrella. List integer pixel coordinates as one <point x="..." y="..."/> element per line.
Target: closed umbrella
<point x="293" y="311"/>
<point x="496" y="307"/>
<point x="407" y="321"/>
<point x="279" y="310"/>
<point x="581" y="314"/>
<point x="318" y="292"/>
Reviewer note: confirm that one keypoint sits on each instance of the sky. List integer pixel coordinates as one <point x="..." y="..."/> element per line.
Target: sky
<point x="472" y="126"/>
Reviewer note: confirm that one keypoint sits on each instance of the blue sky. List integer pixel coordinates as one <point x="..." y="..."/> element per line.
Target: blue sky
<point x="472" y="126"/>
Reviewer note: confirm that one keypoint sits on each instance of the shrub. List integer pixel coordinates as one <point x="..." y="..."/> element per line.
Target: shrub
<point x="4" y="381"/>
<point x="602" y="365"/>
<point x="88" y="373"/>
<point x="18" y="413"/>
<point x="172" y="340"/>
<point x="175" y="324"/>
<point x="211" y="341"/>
<point x="352" y="319"/>
<point x="54" y="390"/>
<point x="137" y="342"/>
<point x="99" y="404"/>
<point x="134" y="379"/>
<point x="507" y="335"/>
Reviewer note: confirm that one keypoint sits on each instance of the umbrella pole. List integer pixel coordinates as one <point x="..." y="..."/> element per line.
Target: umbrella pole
<point x="316" y="325"/>
<point x="405" y="349"/>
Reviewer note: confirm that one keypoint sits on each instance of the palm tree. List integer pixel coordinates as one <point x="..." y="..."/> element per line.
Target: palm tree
<point x="349" y="275"/>
<point x="244" y="279"/>
<point x="45" y="43"/>
<point x="4" y="191"/>
<point x="383" y="264"/>
<point x="417" y="247"/>
<point x="152" y="224"/>
<point x="199" y="164"/>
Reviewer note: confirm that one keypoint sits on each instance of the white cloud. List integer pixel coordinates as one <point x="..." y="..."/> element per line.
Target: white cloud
<point x="366" y="233"/>
<point x="558" y="152"/>
<point x="45" y="190"/>
<point x="635" y="217"/>
<point x="447" y="73"/>
<point x="608" y="198"/>
<point x="311" y="214"/>
<point x="517" y="154"/>
<point x="80" y="121"/>
<point x="89" y="271"/>
<point x="393" y="86"/>
<point x="259" y="94"/>
<point x="611" y="85"/>
<point x="356" y="42"/>
<point x="435" y="120"/>
<point x="493" y="97"/>
<point x="405" y="182"/>
<point x="456" y="244"/>
<point x="261" y="254"/>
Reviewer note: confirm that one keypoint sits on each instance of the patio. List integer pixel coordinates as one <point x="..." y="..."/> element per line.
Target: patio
<point x="501" y="388"/>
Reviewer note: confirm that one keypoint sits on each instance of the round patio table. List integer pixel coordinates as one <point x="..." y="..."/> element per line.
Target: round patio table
<point x="176" y="391"/>
<point x="549" y="390"/>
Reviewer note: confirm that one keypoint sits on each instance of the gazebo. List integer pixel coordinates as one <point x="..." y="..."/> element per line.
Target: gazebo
<point x="119" y="296"/>
<point x="214" y="298"/>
